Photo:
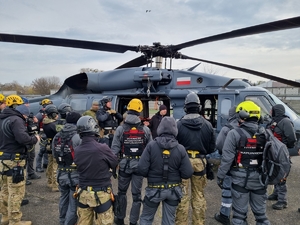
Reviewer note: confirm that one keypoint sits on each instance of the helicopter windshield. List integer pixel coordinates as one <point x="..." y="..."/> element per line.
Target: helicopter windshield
<point x="288" y="111"/>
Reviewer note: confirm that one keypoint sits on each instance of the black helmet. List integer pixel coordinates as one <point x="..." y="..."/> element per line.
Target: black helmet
<point x="192" y="102"/>
<point x="87" y="125"/>
<point x="51" y="111"/>
<point x="105" y="100"/>
<point x="192" y="98"/>
<point x="64" y="108"/>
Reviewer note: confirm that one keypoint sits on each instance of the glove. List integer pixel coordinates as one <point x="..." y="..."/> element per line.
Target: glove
<point x="220" y="182"/>
<point x="111" y="111"/>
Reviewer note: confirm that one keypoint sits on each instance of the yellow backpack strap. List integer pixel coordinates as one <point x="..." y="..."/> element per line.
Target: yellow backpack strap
<point x="166" y="156"/>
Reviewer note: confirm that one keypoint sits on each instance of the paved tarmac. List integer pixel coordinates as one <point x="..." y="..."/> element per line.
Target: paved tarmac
<point x="43" y="204"/>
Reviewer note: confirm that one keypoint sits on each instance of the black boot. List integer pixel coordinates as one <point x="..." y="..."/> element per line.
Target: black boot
<point x="222" y="219"/>
<point x="119" y="221"/>
<point x="279" y="205"/>
<point x="28" y="182"/>
<point x="24" y="202"/>
<point x="273" y="197"/>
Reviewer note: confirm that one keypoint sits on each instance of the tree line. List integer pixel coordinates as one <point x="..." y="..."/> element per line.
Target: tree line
<point x="39" y="86"/>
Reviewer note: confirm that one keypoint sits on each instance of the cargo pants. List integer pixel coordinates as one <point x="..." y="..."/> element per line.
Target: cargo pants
<point x="86" y="216"/>
<point x="197" y="199"/>
<point x="11" y="194"/>
<point x="247" y="189"/>
<point x="67" y="203"/>
<point x="170" y="197"/>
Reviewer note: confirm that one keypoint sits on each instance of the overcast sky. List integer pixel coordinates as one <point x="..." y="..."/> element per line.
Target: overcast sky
<point x="128" y="23"/>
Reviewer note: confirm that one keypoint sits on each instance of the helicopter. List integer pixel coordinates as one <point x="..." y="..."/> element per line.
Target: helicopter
<point x="139" y="78"/>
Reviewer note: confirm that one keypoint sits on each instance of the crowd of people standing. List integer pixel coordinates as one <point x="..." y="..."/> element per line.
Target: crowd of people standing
<point x="81" y="152"/>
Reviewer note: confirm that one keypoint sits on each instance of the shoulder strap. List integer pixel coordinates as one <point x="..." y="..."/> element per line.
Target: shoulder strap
<point x="229" y="126"/>
<point x="243" y="139"/>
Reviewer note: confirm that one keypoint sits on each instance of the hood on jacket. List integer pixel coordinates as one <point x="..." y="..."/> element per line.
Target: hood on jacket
<point x="132" y="119"/>
<point x="278" y="110"/>
<point x="232" y="115"/>
<point x="10" y="112"/>
<point x="192" y="121"/>
<point x="167" y="132"/>
<point x="250" y="126"/>
<point x="167" y="126"/>
<point x="68" y="129"/>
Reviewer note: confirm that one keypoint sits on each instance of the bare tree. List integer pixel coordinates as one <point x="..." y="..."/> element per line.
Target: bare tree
<point x="255" y="83"/>
<point x="210" y="69"/>
<point x="43" y="85"/>
<point x="90" y="70"/>
<point x="13" y="86"/>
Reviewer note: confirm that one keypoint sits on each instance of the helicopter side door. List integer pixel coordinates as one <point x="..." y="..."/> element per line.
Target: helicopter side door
<point x="225" y="102"/>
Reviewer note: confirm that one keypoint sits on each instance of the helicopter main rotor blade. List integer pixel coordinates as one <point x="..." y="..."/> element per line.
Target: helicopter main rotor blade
<point x="139" y="61"/>
<point x="262" y="28"/>
<point x="61" y="42"/>
<point x="257" y="73"/>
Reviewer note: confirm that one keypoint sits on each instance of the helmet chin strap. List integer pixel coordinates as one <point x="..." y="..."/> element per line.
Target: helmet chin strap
<point x="106" y="108"/>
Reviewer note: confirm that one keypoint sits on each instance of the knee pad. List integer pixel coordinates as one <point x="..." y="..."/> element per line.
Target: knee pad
<point x="122" y="192"/>
<point x="136" y="197"/>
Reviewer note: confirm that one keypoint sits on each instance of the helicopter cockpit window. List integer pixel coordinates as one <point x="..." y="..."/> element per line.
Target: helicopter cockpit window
<point x="78" y="105"/>
<point x="289" y="112"/>
<point x="263" y="103"/>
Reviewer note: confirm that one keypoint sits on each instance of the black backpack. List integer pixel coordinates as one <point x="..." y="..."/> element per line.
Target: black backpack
<point x="276" y="163"/>
<point x="63" y="148"/>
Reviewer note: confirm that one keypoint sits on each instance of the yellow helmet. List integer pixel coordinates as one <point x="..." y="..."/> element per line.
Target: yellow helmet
<point x="248" y="109"/>
<point x="135" y="104"/>
<point x="46" y="102"/>
<point x="2" y="98"/>
<point x="14" y="100"/>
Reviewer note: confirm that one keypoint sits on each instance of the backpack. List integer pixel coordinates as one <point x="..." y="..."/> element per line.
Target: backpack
<point x="250" y="150"/>
<point x="133" y="139"/>
<point x="63" y="149"/>
<point x="276" y="163"/>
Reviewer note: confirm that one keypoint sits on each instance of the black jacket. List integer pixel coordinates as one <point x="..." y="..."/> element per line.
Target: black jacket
<point x="154" y="122"/>
<point x="49" y="126"/>
<point x="196" y="133"/>
<point x="151" y="162"/>
<point x="283" y="126"/>
<point x="13" y="132"/>
<point x="93" y="161"/>
<point x="106" y="119"/>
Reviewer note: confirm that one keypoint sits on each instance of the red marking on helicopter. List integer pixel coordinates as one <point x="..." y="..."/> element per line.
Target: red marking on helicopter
<point x="183" y="81"/>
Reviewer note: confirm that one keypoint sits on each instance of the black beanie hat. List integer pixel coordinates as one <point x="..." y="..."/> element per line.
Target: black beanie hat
<point x="162" y="107"/>
<point x="72" y="117"/>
